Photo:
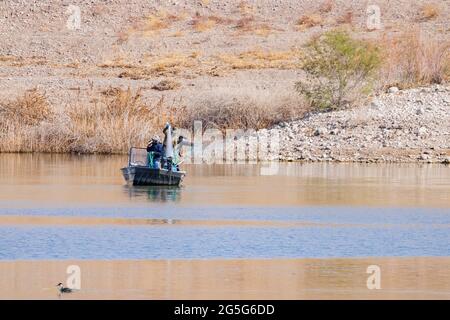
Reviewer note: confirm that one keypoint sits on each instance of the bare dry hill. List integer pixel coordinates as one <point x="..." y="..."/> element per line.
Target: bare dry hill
<point x="208" y="53"/>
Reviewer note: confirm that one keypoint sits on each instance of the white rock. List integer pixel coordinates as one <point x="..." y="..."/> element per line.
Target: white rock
<point x="422" y="131"/>
<point x="320" y="131"/>
<point x="375" y="104"/>
<point x="393" y="90"/>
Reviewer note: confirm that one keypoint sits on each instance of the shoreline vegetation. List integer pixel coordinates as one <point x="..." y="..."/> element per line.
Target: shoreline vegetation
<point x="409" y="125"/>
<point x="352" y="94"/>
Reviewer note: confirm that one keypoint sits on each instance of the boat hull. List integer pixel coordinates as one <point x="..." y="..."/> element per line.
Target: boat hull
<point x="145" y="176"/>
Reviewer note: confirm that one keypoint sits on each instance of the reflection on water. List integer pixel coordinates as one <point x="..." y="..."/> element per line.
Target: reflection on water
<point x="402" y="278"/>
<point x="41" y="180"/>
<point x="154" y="193"/>
<point x="83" y="204"/>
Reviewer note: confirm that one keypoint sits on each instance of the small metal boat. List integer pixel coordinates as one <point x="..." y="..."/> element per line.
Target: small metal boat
<point x="139" y="173"/>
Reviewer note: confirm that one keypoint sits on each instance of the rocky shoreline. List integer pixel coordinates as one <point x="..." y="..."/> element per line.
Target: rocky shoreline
<point x="398" y="126"/>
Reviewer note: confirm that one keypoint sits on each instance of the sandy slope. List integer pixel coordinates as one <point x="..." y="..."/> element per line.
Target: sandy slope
<point x="117" y="34"/>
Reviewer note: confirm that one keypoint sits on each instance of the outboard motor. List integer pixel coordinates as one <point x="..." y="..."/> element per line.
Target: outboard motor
<point x="168" y="147"/>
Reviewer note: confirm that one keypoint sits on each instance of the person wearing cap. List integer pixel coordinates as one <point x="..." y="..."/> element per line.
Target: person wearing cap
<point x="155" y="151"/>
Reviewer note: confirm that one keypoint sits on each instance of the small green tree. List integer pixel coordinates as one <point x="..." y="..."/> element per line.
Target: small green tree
<point x="339" y="69"/>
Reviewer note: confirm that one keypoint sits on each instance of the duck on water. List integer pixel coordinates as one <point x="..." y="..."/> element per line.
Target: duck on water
<point x="63" y="289"/>
<point x="158" y="164"/>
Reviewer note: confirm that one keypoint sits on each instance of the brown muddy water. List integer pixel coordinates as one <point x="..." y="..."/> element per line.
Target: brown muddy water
<point x="231" y="231"/>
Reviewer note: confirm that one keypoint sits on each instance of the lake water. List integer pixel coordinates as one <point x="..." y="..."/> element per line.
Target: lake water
<point x="79" y="207"/>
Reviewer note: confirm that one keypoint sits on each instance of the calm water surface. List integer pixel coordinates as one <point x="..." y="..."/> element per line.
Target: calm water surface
<point x="222" y="211"/>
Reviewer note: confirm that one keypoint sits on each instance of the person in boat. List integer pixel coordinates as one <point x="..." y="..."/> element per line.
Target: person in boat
<point x="155" y="152"/>
<point x="178" y="153"/>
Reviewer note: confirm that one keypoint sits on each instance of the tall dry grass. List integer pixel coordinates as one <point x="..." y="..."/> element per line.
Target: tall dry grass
<point x="22" y="121"/>
<point x="412" y="59"/>
<point x="117" y="119"/>
<point x="243" y="109"/>
<point x="29" y="109"/>
<point x="112" y="123"/>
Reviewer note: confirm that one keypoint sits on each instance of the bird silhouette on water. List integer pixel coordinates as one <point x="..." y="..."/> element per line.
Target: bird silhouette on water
<point x="63" y="289"/>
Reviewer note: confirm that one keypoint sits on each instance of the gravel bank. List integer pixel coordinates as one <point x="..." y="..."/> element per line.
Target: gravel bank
<point x="403" y="126"/>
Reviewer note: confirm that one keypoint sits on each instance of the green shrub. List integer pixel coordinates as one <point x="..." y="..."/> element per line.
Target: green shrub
<point x="339" y="70"/>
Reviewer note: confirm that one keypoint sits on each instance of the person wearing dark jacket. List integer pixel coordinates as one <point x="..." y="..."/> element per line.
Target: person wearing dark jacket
<point x="155" y="151"/>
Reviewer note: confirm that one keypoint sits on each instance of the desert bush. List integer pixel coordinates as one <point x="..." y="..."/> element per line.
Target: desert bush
<point x="201" y="23"/>
<point x="177" y="34"/>
<point x="248" y="24"/>
<point x="174" y="63"/>
<point x="263" y="30"/>
<point x="428" y="11"/>
<point x="245" y="23"/>
<point x="166" y="84"/>
<point x="245" y="7"/>
<point x="326" y="6"/>
<point x="310" y="20"/>
<point x="346" y="18"/>
<point x="169" y="65"/>
<point x="159" y="20"/>
<point x="339" y="70"/>
<point x="262" y="59"/>
<point x="98" y="10"/>
<point x="148" y="25"/>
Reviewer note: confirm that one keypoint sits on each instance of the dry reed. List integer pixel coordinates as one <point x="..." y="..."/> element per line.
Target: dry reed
<point x="118" y="119"/>
<point x="112" y="123"/>
<point x="413" y="59"/>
